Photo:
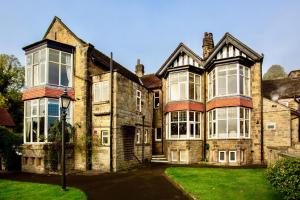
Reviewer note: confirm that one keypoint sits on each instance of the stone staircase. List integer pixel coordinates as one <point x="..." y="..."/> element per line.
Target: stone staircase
<point x="159" y="159"/>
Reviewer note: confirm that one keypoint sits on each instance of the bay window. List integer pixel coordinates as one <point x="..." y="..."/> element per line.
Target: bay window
<point x="183" y="125"/>
<point x="48" y="66"/>
<point x="40" y="115"/>
<point x="233" y="79"/>
<point x="231" y="122"/>
<point x="184" y="86"/>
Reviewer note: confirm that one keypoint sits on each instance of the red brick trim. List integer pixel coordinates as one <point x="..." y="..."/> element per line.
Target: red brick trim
<point x="34" y="93"/>
<point x="227" y="102"/>
<point x="174" y="106"/>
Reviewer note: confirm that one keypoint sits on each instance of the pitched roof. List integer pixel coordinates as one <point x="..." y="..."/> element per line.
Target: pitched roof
<point x="228" y="38"/>
<point x="181" y="47"/>
<point x="5" y="118"/>
<point x="151" y="81"/>
<point x="281" y="88"/>
<point x="65" y="26"/>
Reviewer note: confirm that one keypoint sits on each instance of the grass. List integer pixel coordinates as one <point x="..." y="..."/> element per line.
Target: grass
<point x="14" y="190"/>
<point x="218" y="183"/>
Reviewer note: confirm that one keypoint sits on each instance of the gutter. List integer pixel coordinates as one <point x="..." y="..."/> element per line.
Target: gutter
<point x="111" y="112"/>
<point x="261" y="115"/>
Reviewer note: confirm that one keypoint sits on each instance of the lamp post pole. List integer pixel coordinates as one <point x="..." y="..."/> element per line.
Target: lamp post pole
<point x="65" y="102"/>
<point x="63" y="154"/>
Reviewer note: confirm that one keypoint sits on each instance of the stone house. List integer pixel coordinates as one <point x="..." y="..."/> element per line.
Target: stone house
<point x="192" y="109"/>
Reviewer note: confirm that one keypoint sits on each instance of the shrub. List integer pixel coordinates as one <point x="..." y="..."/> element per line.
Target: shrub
<point x="9" y="144"/>
<point x="284" y="176"/>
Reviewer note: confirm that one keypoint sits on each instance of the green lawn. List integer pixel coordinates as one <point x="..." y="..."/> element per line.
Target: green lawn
<point x="23" y="190"/>
<point x="218" y="183"/>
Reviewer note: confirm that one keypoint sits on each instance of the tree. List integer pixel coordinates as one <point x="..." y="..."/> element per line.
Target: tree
<point x="11" y="82"/>
<point x="275" y="72"/>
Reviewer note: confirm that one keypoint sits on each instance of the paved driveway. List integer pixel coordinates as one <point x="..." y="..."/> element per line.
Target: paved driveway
<point x="146" y="183"/>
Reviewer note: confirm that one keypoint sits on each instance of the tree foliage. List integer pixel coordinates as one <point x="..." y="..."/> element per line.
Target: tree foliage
<point x="275" y="72"/>
<point x="284" y="175"/>
<point x="11" y="82"/>
<point x="9" y="143"/>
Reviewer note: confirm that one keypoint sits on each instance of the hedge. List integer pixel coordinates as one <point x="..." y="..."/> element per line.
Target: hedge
<point x="284" y="176"/>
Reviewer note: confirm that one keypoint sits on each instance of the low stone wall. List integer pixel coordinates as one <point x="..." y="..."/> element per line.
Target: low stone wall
<point x="36" y="158"/>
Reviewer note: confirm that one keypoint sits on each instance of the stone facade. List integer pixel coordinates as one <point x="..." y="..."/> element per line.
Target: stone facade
<point x="130" y="140"/>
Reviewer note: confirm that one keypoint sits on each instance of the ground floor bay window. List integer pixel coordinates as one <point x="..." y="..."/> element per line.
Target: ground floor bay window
<point x="183" y="125"/>
<point x="230" y="122"/>
<point x="39" y="115"/>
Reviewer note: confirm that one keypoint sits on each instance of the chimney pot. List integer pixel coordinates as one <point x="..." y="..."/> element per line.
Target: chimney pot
<point x="139" y="68"/>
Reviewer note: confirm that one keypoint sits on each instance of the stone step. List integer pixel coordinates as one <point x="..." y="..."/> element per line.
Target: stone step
<point x="159" y="161"/>
<point x="158" y="156"/>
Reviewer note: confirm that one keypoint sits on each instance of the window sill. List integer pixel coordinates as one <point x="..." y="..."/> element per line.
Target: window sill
<point x="100" y="102"/>
<point x="230" y="96"/>
<point x="183" y="139"/>
<point x="229" y="138"/>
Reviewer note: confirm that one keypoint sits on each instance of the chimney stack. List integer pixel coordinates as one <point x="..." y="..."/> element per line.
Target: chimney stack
<point x="139" y="68"/>
<point x="208" y="44"/>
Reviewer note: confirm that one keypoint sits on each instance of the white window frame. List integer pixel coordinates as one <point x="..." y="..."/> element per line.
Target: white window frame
<point x="155" y="97"/>
<point x="271" y="124"/>
<point x="103" y="136"/>
<point x="215" y="133"/>
<point x="186" y="82"/>
<point x="69" y="117"/>
<point x="174" y="156"/>
<point x="102" y="89"/>
<point x="138" y="100"/>
<point x="186" y="154"/>
<point x="230" y="160"/>
<point x="146" y="136"/>
<point x="46" y="73"/>
<point x="213" y="77"/>
<point x="155" y="134"/>
<point x="219" y="157"/>
<point x="138" y="136"/>
<point x="188" y="122"/>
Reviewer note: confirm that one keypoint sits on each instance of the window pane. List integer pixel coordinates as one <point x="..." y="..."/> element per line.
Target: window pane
<point x="222" y="126"/>
<point x="197" y="78"/>
<point x="51" y="121"/>
<point x="232" y="156"/>
<point x="96" y="92"/>
<point x="43" y="55"/>
<point x="191" y="91"/>
<point x="28" y="77"/>
<point x="28" y="129"/>
<point x="241" y="85"/>
<point x="241" y="128"/>
<point x="222" y="156"/>
<point x="182" y="130"/>
<point x="53" y="108"/>
<point x="174" y="116"/>
<point x="182" y="116"/>
<point x="232" y="112"/>
<point x="192" y="118"/>
<point x="158" y="133"/>
<point x="191" y="77"/>
<point x="66" y="58"/>
<point x="42" y="129"/>
<point x="42" y="107"/>
<point x="174" y="92"/>
<point x="36" y="58"/>
<point x="28" y="108"/>
<point x="65" y="75"/>
<point x="222" y="85"/>
<point x="34" y="108"/>
<point x="53" y="73"/>
<point x="53" y="55"/>
<point x="232" y="84"/>
<point x="192" y="130"/>
<point x="105" y="91"/>
<point x="232" y="128"/>
<point x="183" y="92"/>
<point x="34" y="129"/>
<point x="246" y="128"/>
<point x="197" y="127"/>
<point x="174" y="130"/>
<point x="197" y="92"/>
<point x="35" y="75"/>
<point x="247" y="86"/>
<point x="222" y="113"/>
<point x="42" y="72"/>
<point x="29" y="59"/>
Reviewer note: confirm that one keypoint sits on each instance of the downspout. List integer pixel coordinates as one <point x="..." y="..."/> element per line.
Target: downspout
<point x="297" y="100"/>
<point x="143" y="141"/>
<point x="162" y="121"/>
<point x="261" y="115"/>
<point x="111" y="112"/>
<point x="205" y="123"/>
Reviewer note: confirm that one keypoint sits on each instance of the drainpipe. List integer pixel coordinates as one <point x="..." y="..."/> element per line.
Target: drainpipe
<point x="162" y="121"/>
<point x="111" y="112"/>
<point x="143" y="143"/>
<point x="205" y="123"/>
<point x="298" y="101"/>
<point x="261" y="115"/>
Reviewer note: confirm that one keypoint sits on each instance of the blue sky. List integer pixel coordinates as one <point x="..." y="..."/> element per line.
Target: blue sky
<point x="151" y="30"/>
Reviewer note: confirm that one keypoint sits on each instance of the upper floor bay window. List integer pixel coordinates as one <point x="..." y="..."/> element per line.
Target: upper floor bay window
<point x="230" y="122"/>
<point x="40" y="115"/>
<point x="101" y="91"/>
<point x="184" y="86"/>
<point x="48" y="66"/>
<point x="233" y="79"/>
<point x="183" y="125"/>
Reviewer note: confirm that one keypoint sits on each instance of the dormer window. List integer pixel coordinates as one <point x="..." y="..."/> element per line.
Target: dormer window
<point x="48" y="62"/>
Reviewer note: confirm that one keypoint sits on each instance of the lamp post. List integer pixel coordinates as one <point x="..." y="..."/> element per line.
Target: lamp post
<point x="65" y="102"/>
